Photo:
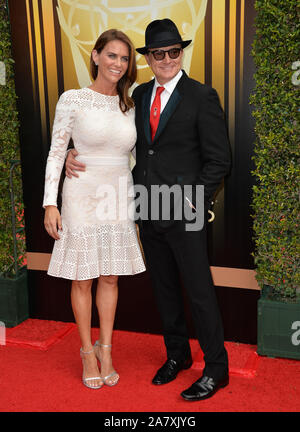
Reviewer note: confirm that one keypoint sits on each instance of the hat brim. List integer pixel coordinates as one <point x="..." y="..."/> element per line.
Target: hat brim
<point x="170" y="42"/>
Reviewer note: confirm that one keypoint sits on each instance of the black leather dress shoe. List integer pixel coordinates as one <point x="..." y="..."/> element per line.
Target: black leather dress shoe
<point x="168" y="372"/>
<point x="204" y="388"/>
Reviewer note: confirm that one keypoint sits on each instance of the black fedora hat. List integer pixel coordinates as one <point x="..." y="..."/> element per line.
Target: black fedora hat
<point x="161" y="33"/>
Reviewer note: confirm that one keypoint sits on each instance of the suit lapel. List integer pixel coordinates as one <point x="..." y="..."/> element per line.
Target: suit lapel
<point x="146" y="111"/>
<point x="167" y="112"/>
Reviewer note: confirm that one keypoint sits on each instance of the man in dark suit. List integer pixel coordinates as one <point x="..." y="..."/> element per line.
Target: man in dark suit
<point x="181" y="140"/>
<point x="189" y="147"/>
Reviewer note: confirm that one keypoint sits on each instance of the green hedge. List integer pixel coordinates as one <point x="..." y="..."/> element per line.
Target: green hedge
<point x="9" y="145"/>
<point x="277" y="151"/>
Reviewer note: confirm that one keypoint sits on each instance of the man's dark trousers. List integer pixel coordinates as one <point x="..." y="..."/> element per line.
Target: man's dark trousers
<point x="170" y="258"/>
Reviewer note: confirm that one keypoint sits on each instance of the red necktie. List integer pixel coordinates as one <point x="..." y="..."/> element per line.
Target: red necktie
<point x="155" y="112"/>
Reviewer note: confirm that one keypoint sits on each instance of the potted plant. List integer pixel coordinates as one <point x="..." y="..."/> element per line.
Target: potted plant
<point x="276" y="192"/>
<point x="13" y="272"/>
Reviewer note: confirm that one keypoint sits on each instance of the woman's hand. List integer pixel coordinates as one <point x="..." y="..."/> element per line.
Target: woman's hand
<point x="72" y="165"/>
<point x="52" y="221"/>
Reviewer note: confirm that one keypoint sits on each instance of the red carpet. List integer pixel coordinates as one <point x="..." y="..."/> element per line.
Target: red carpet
<point x="243" y="360"/>
<point x="49" y="379"/>
<point x="38" y="334"/>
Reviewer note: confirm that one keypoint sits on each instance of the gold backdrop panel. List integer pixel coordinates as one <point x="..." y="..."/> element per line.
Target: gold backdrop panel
<point x="82" y="21"/>
<point x="60" y="55"/>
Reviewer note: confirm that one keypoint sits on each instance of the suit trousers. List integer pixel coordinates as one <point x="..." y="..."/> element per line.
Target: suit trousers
<point x="172" y="256"/>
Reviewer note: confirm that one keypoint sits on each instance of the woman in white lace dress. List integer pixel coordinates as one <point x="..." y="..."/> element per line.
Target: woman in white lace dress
<point x="95" y="237"/>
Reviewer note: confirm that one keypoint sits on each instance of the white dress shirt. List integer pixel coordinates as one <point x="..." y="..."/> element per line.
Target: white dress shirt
<point x="169" y="88"/>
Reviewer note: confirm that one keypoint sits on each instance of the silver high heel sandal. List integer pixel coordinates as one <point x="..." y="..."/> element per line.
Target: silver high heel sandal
<point x="104" y="379"/>
<point x="86" y="380"/>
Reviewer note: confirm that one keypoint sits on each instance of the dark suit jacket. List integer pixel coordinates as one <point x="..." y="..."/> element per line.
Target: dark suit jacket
<point x="191" y="144"/>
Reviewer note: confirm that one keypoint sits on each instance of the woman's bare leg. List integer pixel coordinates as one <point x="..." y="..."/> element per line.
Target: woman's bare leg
<point x="106" y="301"/>
<point x="81" y="299"/>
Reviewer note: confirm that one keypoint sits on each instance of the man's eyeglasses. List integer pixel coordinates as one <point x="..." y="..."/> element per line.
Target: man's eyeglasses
<point x="160" y="54"/>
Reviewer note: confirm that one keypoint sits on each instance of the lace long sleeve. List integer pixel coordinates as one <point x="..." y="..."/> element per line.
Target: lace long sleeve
<point x="61" y="134"/>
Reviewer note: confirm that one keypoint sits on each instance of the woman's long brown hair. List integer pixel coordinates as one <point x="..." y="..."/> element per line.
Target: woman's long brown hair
<point x="129" y="77"/>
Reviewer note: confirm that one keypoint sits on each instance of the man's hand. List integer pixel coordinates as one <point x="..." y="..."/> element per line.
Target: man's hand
<point x="52" y="221"/>
<point x="72" y="165"/>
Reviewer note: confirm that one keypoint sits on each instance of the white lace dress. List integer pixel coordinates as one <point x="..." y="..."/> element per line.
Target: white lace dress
<point x="98" y="235"/>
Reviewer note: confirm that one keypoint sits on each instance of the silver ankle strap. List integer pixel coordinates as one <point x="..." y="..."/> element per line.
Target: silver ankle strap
<point x="97" y="343"/>
<point x="86" y="352"/>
